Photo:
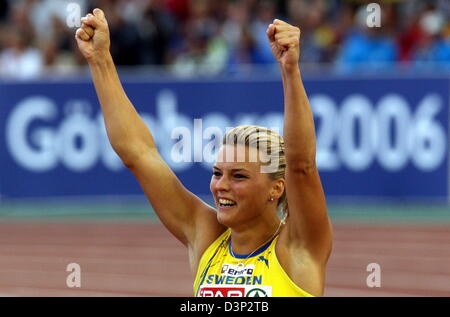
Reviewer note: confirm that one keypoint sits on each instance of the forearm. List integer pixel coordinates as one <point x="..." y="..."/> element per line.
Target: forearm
<point x="299" y="134"/>
<point x="127" y="132"/>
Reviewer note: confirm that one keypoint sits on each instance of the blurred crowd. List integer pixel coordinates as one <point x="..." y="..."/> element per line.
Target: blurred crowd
<point x="213" y="36"/>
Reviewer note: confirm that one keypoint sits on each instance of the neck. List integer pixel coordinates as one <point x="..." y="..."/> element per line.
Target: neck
<point x="250" y="238"/>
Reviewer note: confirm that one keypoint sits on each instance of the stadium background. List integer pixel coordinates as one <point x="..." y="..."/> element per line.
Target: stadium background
<point x="380" y="97"/>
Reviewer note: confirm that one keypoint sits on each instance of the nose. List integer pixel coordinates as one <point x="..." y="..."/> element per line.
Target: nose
<point x="222" y="184"/>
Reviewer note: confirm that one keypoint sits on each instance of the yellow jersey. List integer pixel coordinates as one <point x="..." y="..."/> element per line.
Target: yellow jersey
<point x="223" y="274"/>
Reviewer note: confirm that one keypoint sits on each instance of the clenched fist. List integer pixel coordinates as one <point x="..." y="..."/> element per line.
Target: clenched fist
<point x="93" y="36"/>
<point x="284" y="40"/>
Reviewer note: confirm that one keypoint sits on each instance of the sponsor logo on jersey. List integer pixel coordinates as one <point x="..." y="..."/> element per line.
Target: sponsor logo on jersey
<point x="256" y="292"/>
<point x="235" y="291"/>
<point x="237" y="270"/>
<point x="222" y="292"/>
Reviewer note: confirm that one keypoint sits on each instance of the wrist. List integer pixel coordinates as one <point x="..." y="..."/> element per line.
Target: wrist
<point x="290" y="69"/>
<point x="100" y="60"/>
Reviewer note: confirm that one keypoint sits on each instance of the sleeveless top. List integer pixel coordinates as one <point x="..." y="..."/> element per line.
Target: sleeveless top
<point x="220" y="274"/>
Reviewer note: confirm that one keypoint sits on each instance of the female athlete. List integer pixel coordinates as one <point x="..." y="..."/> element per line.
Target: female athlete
<point x="241" y="247"/>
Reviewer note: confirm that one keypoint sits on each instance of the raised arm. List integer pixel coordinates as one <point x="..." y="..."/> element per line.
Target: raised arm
<point x="181" y="212"/>
<point x="308" y="224"/>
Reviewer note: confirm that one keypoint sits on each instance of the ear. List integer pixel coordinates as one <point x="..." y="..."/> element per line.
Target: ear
<point x="277" y="188"/>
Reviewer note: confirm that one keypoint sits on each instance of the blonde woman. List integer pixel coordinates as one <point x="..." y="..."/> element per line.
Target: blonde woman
<point x="241" y="247"/>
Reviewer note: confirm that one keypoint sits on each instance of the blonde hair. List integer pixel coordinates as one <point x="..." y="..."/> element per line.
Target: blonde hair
<point x="268" y="141"/>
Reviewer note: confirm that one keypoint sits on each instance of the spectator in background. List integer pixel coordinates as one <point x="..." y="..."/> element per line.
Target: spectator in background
<point x="409" y="39"/>
<point x="318" y="36"/>
<point x="434" y="45"/>
<point x="156" y="32"/>
<point x="48" y="17"/>
<point x="58" y="48"/>
<point x="19" y="59"/>
<point x="266" y="11"/>
<point x="125" y="40"/>
<point x="203" y="50"/>
<point x="179" y="9"/>
<point x="238" y="37"/>
<point x="368" y="48"/>
<point x="46" y="44"/>
<point x="209" y="37"/>
<point x="236" y="18"/>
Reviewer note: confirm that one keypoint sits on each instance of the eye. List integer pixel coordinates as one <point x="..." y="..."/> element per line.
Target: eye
<point x="217" y="174"/>
<point x="239" y="176"/>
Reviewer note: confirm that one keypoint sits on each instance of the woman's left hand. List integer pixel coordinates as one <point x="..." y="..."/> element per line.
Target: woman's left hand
<point x="284" y="40"/>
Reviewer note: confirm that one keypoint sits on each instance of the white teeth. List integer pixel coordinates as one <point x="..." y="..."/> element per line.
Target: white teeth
<point x="226" y="202"/>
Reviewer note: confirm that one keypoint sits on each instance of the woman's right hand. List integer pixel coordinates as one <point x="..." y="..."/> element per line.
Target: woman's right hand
<point x="284" y="40"/>
<point x="93" y="36"/>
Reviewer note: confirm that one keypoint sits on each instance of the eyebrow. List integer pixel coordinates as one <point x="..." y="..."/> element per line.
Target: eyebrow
<point x="233" y="170"/>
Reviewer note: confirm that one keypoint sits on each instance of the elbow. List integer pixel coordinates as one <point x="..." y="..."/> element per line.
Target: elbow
<point x="128" y="161"/>
<point x="303" y="167"/>
<point x="301" y="160"/>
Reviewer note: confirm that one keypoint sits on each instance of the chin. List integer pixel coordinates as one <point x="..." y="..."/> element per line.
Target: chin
<point x="225" y="219"/>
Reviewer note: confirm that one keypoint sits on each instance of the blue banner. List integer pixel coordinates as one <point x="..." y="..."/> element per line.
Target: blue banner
<point x="376" y="138"/>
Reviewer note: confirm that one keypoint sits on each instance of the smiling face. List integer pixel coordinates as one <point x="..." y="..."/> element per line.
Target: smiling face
<point x="241" y="191"/>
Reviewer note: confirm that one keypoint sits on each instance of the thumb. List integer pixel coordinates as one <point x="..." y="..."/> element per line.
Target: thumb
<point x="271" y="32"/>
<point x="99" y="14"/>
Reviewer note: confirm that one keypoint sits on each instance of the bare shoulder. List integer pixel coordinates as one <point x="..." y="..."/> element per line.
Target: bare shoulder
<point x="306" y="271"/>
